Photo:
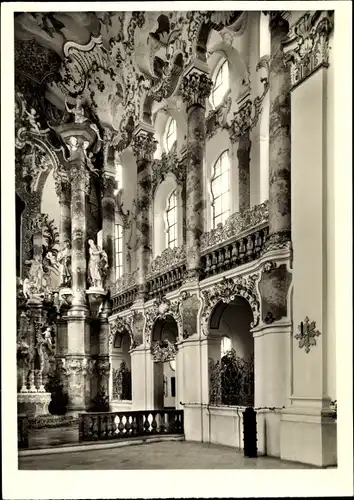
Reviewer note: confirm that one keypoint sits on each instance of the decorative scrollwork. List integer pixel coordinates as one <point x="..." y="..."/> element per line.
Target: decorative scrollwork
<point x="160" y="309"/>
<point x="168" y="163"/>
<point x="120" y="326"/>
<point x="235" y="224"/>
<point x="144" y="146"/>
<point x="307" y="45"/>
<point x="163" y="350"/>
<point x="307" y="334"/>
<point x="169" y="258"/>
<point x="225" y="291"/>
<point x="195" y="88"/>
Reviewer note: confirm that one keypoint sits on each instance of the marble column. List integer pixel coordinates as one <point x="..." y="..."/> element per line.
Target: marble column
<point x="243" y="156"/>
<point x="279" y="135"/>
<point x="195" y="88"/>
<point x="63" y="190"/>
<point x="78" y="137"/>
<point x="143" y="147"/>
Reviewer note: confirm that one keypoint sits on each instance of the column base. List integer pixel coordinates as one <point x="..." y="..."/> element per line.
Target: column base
<point x="309" y="436"/>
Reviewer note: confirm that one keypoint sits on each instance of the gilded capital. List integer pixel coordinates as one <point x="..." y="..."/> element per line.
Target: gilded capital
<point x="307" y="46"/>
<point x="144" y="145"/>
<point x="195" y="88"/>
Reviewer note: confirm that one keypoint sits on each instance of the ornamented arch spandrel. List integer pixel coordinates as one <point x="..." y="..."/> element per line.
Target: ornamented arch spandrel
<point x="225" y="291"/>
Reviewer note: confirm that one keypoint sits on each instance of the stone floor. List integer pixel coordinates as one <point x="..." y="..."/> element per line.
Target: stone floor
<point x="163" y="455"/>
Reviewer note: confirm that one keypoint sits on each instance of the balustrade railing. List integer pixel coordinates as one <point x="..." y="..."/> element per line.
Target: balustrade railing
<point x="117" y="425"/>
<point x="22" y="431"/>
<point x="166" y="282"/>
<point x="234" y="252"/>
<point x="124" y="300"/>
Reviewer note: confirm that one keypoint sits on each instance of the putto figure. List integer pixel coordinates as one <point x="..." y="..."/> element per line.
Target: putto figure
<point x="98" y="264"/>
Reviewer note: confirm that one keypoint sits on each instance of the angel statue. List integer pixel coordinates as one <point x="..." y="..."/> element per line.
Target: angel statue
<point x="32" y="117"/>
<point x="98" y="264"/>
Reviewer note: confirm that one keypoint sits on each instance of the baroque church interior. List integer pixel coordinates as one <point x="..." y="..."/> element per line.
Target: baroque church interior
<point x="172" y="180"/>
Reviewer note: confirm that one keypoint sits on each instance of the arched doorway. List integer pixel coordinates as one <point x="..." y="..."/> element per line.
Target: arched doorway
<point x="231" y="354"/>
<point x="163" y="349"/>
<point x="121" y="368"/>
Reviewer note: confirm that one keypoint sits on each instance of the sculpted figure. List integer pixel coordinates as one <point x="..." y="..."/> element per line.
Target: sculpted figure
<point x="98" y="264"/>
<point x="64" y="260"/>
<point x="35" y="273"/>
<point x="77" y="111"/>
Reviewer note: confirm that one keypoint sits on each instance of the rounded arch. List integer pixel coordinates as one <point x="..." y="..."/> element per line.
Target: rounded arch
<point x="165" y="328"/>
<point x="226" y="291"/>
<point x="160" y="205"/>
<point x="118" y="328"/>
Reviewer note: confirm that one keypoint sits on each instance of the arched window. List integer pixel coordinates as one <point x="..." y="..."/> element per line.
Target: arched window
<point x="171" y="218"/>
<point x="220" y="189"/>
<point x="226" y="345"/>
<point x="221" y="84"/>
<point x="118" y="177"/>
<point x="118" y="245"/>
<point x="171" y="134"/>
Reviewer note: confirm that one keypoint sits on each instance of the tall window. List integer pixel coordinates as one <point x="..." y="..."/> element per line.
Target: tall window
<point x="225" y="345"/>
<point x="118" y="177"/>
<point x="118" y="245"/>
<point x="171" y="134"/>
<point x="220" y="189"/>
<point x="171" y="216"/>
<point x="221" y="84"/>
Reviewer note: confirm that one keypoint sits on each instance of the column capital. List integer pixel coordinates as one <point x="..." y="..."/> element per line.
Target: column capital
<point x="195" y="88"/>
<point x="306" y="48"/>
<point x="108" y="185"/>
<point x="143" y="143"/>
<point x="62" y="186"/>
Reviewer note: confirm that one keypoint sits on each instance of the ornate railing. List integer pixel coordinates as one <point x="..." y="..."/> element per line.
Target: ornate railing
<point x="118" y="425"/>
<point x="233" y="253"/>
<point x="231" y="380"/>
<point x="123" y="292"/>
<point x="22" y="431"/>
<point x="240" y="240"/>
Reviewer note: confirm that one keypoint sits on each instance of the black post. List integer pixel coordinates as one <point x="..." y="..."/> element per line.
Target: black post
<point x="250" y="432"/>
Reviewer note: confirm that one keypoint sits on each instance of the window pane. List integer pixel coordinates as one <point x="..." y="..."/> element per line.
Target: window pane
<point x="118" y="244"/>
<point x="171" y="135"/>
<point x="221" y="84"/>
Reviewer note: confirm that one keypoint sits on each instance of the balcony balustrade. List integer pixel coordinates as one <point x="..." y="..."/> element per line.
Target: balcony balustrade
<point x="239" y="241"/>
<point x="118" y="425"/>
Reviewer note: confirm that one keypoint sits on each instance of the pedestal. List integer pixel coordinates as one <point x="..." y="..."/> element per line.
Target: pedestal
<point x="33" y="404"/>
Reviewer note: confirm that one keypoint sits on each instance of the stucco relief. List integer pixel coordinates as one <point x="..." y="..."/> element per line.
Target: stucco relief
<point x="160" y="309"/>
<point x="121" y="325"/>
<point x="274" y="287"/>
<point x="190" y="306"/>
<point x="225" y="291"/>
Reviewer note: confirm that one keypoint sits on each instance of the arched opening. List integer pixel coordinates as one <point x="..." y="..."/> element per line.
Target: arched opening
<point x="231" y="354"/>
<point x="20" y="206"/>
<point x="164" y="337"/>
<point x="121" y="367"/>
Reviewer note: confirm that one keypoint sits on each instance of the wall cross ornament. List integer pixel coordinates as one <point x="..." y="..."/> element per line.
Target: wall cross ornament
<point x="307" y="334"/>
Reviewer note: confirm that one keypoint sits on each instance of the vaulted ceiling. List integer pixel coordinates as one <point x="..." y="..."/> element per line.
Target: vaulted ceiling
<point x="121" y="63"/>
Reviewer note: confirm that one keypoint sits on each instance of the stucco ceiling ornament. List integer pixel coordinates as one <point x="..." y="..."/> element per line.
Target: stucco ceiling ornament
<point x="307" y="45"/>
<point x="161" y="308"/>
<point x="226" y="291"/>
<point x="235" y="224"/>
